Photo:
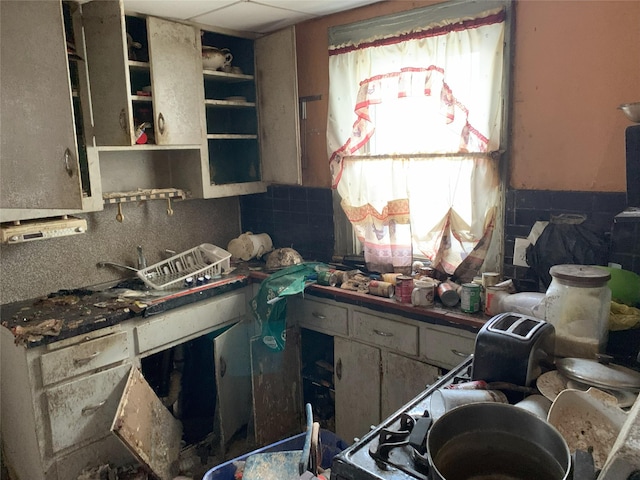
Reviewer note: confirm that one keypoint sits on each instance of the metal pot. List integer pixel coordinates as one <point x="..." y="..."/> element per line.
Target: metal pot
<point x="496" y="441"/>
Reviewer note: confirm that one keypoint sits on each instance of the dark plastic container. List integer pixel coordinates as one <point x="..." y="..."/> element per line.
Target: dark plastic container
<point x="331" y="446"/>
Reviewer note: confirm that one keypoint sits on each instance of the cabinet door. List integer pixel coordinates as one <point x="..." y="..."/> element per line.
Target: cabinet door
<point x="233" y="380"/>
<point x="402" y="379"/>
<point x="106" y="45"/>
<point x="276" y="72"/>
<point x="357" y="383"/>
<point x="277" y="396"/>
<point x="39" y="164"/>
<point x="176" y="75"/>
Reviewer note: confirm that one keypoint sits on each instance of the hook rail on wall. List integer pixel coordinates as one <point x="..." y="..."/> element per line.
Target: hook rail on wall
<point x="142" y="195"/>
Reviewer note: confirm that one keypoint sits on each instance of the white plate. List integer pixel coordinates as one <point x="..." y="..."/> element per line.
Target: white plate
<point x="550" y="384"/>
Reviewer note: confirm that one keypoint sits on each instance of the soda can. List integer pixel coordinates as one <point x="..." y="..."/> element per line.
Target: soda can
<point x="470" y="298"/>
<point x="381" y="289"/>
<point x="327" y="278"/>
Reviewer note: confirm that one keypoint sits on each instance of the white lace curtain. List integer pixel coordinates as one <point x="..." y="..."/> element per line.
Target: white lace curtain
<point x="414" y="120"/>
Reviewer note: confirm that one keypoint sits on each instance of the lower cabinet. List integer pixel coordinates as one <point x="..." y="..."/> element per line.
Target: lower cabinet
<point x="59" y="400"/>
<point x="357" y="385"/>
<point x="402" y="379"/>
<point x="369" y="363"/>
<point x="371" y="384"/>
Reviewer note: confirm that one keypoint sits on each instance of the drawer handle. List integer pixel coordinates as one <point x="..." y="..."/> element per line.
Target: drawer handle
<point x="383" y="334"/>
<point x="319" y="315"/>
<point x="459" y="353"/>
<point x="91" y="409"/>
<point x="339" y="369"/>
<point x="78" y="362"/>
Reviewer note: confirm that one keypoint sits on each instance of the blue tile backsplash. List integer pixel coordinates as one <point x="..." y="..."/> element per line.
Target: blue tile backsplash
<point x="525" y="207"/>
<point x="302" y="218"/>
<point x="295" y="217"/>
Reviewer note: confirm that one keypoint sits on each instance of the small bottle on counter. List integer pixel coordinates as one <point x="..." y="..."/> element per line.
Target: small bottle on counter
<point x="327" y="278"/>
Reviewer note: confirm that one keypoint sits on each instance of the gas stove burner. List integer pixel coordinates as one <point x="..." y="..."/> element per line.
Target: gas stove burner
<point x="404" y="448"/>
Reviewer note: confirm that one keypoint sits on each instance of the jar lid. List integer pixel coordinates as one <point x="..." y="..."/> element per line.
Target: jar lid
<point x="592" y="372"/>
<point x="581" y="275"/>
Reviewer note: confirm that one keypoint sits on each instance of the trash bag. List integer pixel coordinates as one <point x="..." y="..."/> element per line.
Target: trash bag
<point x="565" y="243"/>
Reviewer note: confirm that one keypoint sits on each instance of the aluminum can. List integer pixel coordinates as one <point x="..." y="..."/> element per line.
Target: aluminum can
<point x="490" y="279"/>
<point x="404" y="287"/>
<point x="448" y="294"/>
<point x="381" y="289"/>
<point x="470" y="297"/>
<point x="327" y="278"/>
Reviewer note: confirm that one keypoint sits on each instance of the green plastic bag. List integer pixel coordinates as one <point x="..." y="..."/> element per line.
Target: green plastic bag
<point x="269" y="306"/>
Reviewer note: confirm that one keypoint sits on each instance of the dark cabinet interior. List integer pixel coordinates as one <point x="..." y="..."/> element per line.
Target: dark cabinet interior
<point x="317" y="376"/>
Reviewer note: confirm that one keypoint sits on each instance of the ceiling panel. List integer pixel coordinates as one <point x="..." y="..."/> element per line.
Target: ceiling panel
<point x="252" y="17"/>
<point x="256" y="16"/>
<point x="316" y="7"/>
<point x="179" y="9"/>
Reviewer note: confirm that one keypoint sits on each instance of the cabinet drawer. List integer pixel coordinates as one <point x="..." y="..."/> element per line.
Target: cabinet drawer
<point x="83" y="357"/>
<point x="84" y="409"/>
<point x="190" y="321"/>
<point x="322" y="317"/>
<point x="386" y="332"/>
<point x="445" y="348"/>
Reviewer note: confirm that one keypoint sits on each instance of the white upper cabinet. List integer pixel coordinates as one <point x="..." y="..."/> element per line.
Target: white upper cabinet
<point x="39" y="153"/>
<point x="277" y="69"/>
<point x="251" y="115"/>
<point x="146" y="79"/>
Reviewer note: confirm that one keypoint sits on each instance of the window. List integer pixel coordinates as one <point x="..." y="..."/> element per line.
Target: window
<point x="415" y="130"/>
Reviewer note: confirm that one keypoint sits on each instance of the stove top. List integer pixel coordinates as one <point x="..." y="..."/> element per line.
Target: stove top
<point x="395" y="448"/>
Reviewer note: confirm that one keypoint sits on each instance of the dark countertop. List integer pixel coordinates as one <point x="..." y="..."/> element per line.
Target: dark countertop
<point x="438" y="314"/>
<point x="68" y="313"/>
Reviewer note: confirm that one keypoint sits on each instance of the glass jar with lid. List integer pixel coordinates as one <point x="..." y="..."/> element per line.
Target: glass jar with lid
<point x="577" y="304"/>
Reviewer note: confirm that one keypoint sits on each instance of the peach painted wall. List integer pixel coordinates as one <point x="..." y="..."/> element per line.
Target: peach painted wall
<point x="574" y="63"/>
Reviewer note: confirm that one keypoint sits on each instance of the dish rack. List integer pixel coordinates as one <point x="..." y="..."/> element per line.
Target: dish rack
<point x="205" y="259"/>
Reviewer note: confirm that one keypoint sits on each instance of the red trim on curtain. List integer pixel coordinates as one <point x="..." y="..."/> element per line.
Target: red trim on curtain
<point x="432" y="32"/>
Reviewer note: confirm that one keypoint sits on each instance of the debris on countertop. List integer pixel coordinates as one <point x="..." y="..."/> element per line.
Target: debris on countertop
<point x="33" y="333"/>
<point x="67" y="313"/>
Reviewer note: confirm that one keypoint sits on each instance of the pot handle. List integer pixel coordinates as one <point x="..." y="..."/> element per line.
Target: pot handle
<point x="583" y="465"/>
